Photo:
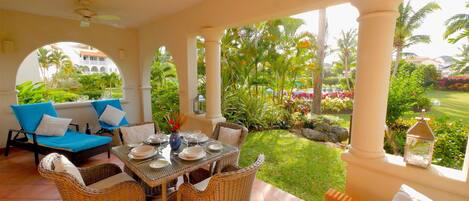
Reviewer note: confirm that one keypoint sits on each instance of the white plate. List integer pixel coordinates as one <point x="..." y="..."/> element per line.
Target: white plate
<point x="143" y="150"/>
<point x="131" y="156"/>
<point x="160" y="163"/>
<point x="194" y="138"/>
<point x="183" y="157"/>
<point x="215" y="147"/>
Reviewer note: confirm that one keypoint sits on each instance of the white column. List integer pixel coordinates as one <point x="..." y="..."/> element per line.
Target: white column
<point x="213" y="72"/>
<point x="375" y="44"/>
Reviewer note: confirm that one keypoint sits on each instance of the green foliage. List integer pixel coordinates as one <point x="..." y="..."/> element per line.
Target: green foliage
<point x="29" y="92"/>
<point x="165" y="88"/>
<point x="406" y="92"/>
<point x="165" y="100"/>
<point x="241" y="107"/>
<point x="457" y="27"/>
<point x="450" y="146"/>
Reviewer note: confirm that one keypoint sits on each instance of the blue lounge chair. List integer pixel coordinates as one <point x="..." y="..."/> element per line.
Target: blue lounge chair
<point x="75" y="145"/>
<point x="99" y="106"/>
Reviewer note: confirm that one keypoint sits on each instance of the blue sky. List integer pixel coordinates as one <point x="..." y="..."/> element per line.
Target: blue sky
<point x="343" y="17"/>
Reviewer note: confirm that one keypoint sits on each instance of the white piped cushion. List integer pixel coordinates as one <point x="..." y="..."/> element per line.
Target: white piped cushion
<point x="229" y="136"/>
<point x="53" y="126"/>
<point x="137" y="134"/>
<point x="201" y="186"/>
<point x="62" y="164"/>
<point x="112" y="116"/>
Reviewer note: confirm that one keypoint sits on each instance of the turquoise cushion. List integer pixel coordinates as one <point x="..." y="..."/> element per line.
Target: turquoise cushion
<point x="72" y="141"/>
<point x="30" y="115"/>
<point x="100" y="105"/>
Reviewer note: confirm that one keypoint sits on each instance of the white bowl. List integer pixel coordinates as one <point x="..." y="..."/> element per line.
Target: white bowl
<point x="215" y="146"/>
<point x="142" y="150"/>
<point x="192" y="152"/>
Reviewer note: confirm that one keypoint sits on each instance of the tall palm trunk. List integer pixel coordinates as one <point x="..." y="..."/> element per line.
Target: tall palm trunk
<point x="398" y="59"/>
<point x="318" y="73"/>
<point x="346" y="67"/>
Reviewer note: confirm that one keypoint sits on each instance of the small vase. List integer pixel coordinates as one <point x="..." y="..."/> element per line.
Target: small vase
<point x="174" y="141"/>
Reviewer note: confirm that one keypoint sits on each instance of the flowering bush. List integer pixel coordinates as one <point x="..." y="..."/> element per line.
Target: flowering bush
<point x="337" y="105"/>
<point x="305" y="95"/>
<point x="458" y="83"/>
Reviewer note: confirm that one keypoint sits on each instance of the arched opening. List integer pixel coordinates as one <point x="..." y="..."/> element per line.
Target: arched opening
<point x="66" y="72"/>
<point x="165" y="87"/>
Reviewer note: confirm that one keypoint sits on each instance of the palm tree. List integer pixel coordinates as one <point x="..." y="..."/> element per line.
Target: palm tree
<point x="461" y="64"/>
<point x="44" y="62"/>
<point x="162" y="68"/>
<point x="458" y="26"/>
<point x="321" y="54"/>
<point x="347" y="48"/>
<point x="59" y="59"/>
<point x="407" y="22"/>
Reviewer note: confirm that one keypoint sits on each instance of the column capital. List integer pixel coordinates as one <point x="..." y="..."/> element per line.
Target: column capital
<point x="376" y="6"/>
<point x="212" y="34"/>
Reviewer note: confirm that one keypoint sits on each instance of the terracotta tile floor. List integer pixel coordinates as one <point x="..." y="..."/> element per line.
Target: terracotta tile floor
<point x="19" y="180"/>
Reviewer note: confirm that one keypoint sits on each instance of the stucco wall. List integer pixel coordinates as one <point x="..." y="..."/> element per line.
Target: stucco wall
<point x="29" y="32"/>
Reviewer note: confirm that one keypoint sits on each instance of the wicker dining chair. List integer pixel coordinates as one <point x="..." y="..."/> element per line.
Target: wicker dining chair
<point x="203" y="173"/>
<point x="234" y="185"/>
<point x="70" y="189"/>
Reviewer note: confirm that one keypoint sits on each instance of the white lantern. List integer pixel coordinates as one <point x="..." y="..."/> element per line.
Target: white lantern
<point x="419" y="144"/>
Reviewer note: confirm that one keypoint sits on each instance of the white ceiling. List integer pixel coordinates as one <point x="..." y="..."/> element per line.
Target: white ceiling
<point x="132" y="12"/>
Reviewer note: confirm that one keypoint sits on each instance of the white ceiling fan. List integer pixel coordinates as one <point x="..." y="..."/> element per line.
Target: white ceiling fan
<point x="87" y="14"/>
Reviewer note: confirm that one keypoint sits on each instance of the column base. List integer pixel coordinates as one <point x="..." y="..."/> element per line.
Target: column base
<point x="202" y="123"/>
<point x="366" y="154"/>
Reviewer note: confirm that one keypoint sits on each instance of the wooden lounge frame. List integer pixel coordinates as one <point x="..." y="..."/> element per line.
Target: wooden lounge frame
<point x="20" y="140"/>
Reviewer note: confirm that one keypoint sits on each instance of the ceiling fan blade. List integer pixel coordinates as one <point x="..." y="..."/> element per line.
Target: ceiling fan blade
<point x="108" y="17"/>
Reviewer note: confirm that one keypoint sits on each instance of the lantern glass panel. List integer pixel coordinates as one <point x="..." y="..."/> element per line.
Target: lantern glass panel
<point x="418" y="151"/>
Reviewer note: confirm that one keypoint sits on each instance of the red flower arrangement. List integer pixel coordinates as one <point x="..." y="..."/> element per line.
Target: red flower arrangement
<point x="175" y="121"/>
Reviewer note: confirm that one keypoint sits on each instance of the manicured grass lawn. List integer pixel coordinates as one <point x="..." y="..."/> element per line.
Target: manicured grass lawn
<point x="301" y="167"/>
<point x="342" y="119"/>
<point x="454" y="104"/>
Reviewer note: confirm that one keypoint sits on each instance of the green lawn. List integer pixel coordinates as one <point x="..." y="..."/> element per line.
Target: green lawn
<point x="301" y="167"/>
<point x="454" y="104"/>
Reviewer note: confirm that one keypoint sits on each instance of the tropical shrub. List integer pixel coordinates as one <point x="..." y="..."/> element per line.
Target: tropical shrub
<point x="240" y="106"/>
<point x="165" y="100"/>
<point x="457" y="83"/>
<point x="29" y="92"/>
<point x="406" y="92"/>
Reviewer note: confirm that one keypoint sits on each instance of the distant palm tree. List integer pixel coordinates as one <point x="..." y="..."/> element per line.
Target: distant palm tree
<point x="347" y="48"/>
<point x="59" y="59"/>
<point x="407" y="22"/>
<point x="458" y="27"/>
<point x="461" y="64"/>
<point x="44" y="62"/>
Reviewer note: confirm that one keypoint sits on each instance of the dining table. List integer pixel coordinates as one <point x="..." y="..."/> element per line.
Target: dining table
<point x="153" y="178"/>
